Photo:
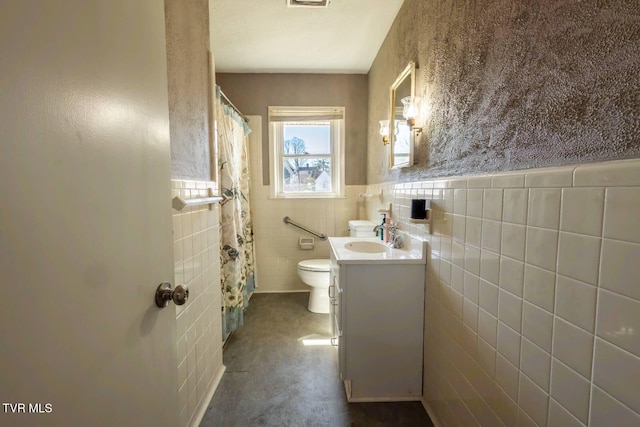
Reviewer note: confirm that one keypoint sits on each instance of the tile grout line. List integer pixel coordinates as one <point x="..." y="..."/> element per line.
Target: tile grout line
<point x="595" y="314"/>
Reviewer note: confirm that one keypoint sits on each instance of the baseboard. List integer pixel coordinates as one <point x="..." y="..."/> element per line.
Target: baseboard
<point x="204" y="403"/>
<point x="383" y="399"/>
<point x="432" y="414"/>
<point x="351" y="399"/>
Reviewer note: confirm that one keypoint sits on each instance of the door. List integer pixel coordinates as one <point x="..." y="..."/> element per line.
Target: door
<point x="85" y="228"/>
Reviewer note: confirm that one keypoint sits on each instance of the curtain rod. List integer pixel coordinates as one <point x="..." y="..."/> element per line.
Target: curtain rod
<point x="230" y="104"/>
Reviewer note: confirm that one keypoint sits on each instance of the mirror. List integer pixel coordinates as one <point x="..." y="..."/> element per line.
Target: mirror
<point x="400" y="135"/>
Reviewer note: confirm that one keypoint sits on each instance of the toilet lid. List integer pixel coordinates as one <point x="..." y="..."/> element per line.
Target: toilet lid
<point x="314" y="265"/>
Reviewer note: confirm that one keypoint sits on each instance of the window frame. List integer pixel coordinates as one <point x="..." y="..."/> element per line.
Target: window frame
<point x="278" y="117"/>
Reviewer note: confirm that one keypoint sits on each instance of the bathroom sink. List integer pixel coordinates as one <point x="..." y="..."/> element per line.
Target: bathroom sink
<point x="366" y="247"/>
<point x="370" y="250"/>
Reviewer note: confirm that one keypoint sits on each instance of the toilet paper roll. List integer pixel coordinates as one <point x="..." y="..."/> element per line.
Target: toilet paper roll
<point x="306" y="243"/>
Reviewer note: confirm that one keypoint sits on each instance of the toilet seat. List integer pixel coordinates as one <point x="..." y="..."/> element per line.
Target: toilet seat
<point x="319" y="265"/>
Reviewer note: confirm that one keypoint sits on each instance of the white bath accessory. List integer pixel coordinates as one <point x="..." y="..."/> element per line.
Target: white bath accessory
<point x="367" y="196"/>
<point x="361" y="228"/>
<point x="385" y="208"/>
<point x="306" y="243"/>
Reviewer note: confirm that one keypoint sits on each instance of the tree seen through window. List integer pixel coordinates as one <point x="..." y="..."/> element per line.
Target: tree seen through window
<point x="307" y="157"/>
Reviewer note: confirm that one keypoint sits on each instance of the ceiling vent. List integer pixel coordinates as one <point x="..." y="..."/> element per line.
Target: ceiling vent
<point x="307" y="3"/>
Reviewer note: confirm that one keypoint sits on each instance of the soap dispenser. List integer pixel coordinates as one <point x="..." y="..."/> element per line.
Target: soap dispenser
<point x="382" y="225"/>
<point x="386" y="230"/>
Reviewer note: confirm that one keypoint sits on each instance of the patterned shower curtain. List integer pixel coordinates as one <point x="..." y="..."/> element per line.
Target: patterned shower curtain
<point x="237" y="245"/>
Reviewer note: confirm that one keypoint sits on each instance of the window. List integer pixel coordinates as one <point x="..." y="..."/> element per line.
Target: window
<point x="306" y="146"/>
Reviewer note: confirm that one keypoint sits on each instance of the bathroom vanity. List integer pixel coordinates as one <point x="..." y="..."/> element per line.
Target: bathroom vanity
<point x="377" y="316"/>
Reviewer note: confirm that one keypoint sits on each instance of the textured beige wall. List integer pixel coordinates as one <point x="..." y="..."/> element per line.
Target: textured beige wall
<point x="187" y="29"/>
<point x="254" y="93"/>
<point x="512" y="84"/>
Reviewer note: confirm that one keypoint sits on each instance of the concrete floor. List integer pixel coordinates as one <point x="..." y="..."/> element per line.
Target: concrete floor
<point x="272" y="379"/>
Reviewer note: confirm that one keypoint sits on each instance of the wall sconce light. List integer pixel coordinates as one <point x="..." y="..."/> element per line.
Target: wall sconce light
<point x="384" y="131"/>
<point x="411" y="110"/>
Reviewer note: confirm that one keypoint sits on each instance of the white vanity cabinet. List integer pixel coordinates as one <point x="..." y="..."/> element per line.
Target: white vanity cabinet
<point x="378" y="321"/>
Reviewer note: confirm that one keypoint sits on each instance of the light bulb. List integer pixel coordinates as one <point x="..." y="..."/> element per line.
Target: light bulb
<point x="411" y="107"/>
<point x="384" y="127"/>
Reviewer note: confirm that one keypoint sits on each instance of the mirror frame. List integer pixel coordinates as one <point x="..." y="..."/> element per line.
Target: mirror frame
<point x="408" y="72"/>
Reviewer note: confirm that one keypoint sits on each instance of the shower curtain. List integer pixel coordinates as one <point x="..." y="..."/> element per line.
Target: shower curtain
<point x="237" y="245"/>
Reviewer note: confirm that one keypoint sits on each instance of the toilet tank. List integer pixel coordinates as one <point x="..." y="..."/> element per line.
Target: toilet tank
<point x="360" y="228"/>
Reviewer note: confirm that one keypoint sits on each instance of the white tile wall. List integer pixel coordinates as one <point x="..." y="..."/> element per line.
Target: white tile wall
<point x="576" y="302"/>
<point x="515" y="205"/>
<point x="619" y="263"/>
<point x="196" y="248"/>
<point x="539" y="287"/>
<point x="560" y="417"/>
<point x="582" y="210"/>
<point x="544" y="207"/>
<point x="507" y="376"/>
<point x="573" y="249"/>
<point x="491" y="235"/>
<point x="533" y="401"/>
<point x="277" y="244"/>
<point x="532" y="295"/>
<point x="618" y="319"/>
<point x="537" y="326"/>
<point x="277" y="248"/>
<point x="512" y="275"/>
<point x="488" y="328"/>
<point x="605" y="408"/>
<point x="490" y="266"/>
<point x="473" y="230"/>
<point x="489" y="297"/>
<point x="536" y="364"/>
<point x="509" y="343"/>
<point x="573" y="346"/>
<point x="618" y="373"/>
<point x="513" y="241"/>
<point x="621" y="207"/>
<point x="571" y="390"/>
<point x="510" y="310"/>
<point x="542" y="248"/>
<point x="471" y="287"/>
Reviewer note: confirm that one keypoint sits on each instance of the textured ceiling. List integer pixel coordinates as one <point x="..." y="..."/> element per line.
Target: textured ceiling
<point x="266" y="36"/>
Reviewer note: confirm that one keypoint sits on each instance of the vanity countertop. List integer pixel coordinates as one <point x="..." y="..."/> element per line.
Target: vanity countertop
<point x="413" y="251"/>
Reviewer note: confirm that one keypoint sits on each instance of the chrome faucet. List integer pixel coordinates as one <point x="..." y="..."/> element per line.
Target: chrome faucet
<point x="395" y="242"/>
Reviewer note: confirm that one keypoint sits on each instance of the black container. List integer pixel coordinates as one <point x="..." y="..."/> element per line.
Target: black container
<point x="418" y="209"/>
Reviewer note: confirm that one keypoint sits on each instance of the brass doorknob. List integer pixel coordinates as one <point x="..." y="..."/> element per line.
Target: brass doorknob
<point x="166" y="293"/>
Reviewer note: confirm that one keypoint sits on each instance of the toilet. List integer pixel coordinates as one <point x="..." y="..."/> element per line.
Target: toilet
<point x="315" y="272"/>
